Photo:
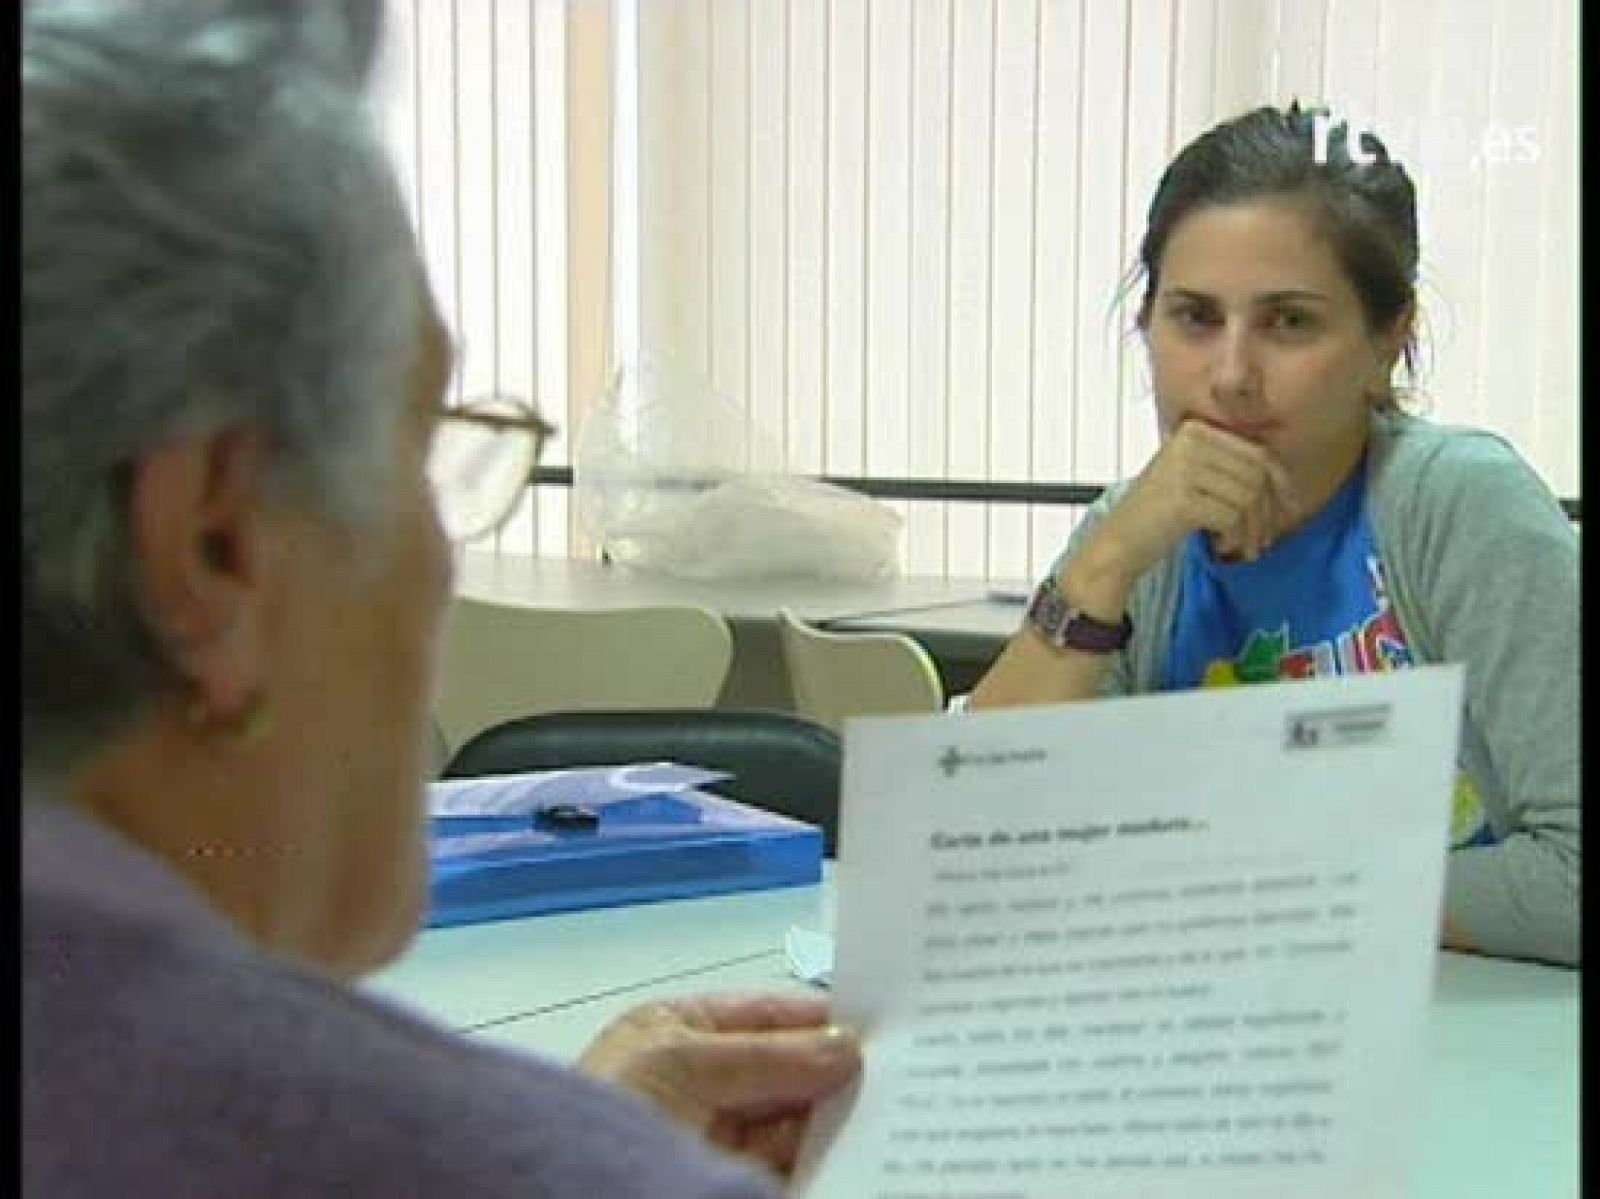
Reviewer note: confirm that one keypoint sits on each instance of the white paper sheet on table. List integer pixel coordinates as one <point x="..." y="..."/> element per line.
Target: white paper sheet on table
<point x="520" y="794"/>
<point x="809" y="954"/>
<point x="1173" y="945"/>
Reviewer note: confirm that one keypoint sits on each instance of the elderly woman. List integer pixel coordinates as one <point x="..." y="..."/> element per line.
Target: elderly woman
<point x="233" y="575"/>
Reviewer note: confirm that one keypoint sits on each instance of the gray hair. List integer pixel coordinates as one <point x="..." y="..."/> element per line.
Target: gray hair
<point x="212" y="238"/>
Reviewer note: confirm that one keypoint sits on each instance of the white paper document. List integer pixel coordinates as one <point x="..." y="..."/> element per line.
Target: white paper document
<point x="1166" y="946"/>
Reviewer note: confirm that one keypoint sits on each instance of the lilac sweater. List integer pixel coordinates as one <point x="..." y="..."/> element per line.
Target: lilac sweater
<point x="164" y="1055"/>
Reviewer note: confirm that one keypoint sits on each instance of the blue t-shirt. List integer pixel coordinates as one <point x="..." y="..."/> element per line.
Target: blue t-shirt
<point x="1314" y="605"/>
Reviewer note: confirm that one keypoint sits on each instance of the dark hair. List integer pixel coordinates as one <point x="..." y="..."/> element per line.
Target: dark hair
<point x="1366" y="208"/>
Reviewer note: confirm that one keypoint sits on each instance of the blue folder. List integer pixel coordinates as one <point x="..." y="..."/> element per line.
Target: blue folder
<point x="558" y="841"/>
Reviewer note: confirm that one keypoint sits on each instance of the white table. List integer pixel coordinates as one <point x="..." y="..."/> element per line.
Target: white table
<point x="1502" y="1075"/>
<point x="990" y="621"/>
<point x="757" y="677"/>
<point x="963" y="637"/>
<point x="574" y="583"/>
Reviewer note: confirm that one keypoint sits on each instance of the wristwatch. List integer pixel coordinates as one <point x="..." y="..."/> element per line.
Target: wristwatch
<point x="1066" y="627"/>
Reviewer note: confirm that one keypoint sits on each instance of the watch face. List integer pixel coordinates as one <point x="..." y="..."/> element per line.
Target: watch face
<point x="1048" y="613"/>
<point x="1051" y="612"/>
<point x="1065" y="627"/>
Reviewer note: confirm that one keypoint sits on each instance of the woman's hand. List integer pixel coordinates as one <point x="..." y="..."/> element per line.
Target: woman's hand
<point x="1202" y="478"/>
<point x="742" y="1070"/>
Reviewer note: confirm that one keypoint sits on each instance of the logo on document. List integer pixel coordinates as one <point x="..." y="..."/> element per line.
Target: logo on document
<point x="953" y="759"/>
<point x="1338" y="728"/>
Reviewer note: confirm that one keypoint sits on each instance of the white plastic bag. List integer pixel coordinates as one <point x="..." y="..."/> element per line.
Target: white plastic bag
<point x="669" y="477"/>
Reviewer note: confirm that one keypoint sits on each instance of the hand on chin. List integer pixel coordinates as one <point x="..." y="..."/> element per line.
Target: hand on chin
<point x="1226" y="548"/>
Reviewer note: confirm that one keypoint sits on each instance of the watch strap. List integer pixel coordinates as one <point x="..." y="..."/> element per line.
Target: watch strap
<point x="1067" y="627"/>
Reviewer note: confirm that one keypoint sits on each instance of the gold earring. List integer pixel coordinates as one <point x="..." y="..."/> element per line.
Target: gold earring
<point x="245" y="727"/>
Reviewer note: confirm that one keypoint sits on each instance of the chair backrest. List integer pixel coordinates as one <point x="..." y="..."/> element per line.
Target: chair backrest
<point x="779" y="761"/>
<point x="501" y="661"/>
<point x="838" y="675"/>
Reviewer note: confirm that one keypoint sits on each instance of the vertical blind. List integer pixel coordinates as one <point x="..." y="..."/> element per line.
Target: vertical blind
<point x="896" y="232"/>
<point x="496" y="113"/>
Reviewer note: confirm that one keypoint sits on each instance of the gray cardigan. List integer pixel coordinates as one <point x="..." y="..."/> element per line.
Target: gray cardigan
<point x="163" y="1055"/>
<point x="1482" y="567"/>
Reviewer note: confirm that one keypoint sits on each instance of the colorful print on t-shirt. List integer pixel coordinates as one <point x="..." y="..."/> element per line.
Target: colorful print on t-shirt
<point x="1315" y="605"/>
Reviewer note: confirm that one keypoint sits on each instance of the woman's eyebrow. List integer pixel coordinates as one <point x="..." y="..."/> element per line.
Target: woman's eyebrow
<point x="1279" y="295"/>
<point x="1287" y="295"/>
<point x="1292" y="295"/>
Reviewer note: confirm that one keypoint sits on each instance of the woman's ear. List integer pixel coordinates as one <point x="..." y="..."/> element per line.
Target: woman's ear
<point x="199" y="542"/>
<point x="1388" y="345"/>
<point x="1393" y="341"/>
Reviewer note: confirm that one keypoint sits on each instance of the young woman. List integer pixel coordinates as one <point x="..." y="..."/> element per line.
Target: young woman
<point x="1296" y="522"/>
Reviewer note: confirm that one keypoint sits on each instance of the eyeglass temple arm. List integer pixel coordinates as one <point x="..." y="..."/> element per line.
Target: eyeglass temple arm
<point x="532" y="422"/>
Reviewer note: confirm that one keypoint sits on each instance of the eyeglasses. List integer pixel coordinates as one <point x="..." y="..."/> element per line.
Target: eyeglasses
<point x="483" y="457"/>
